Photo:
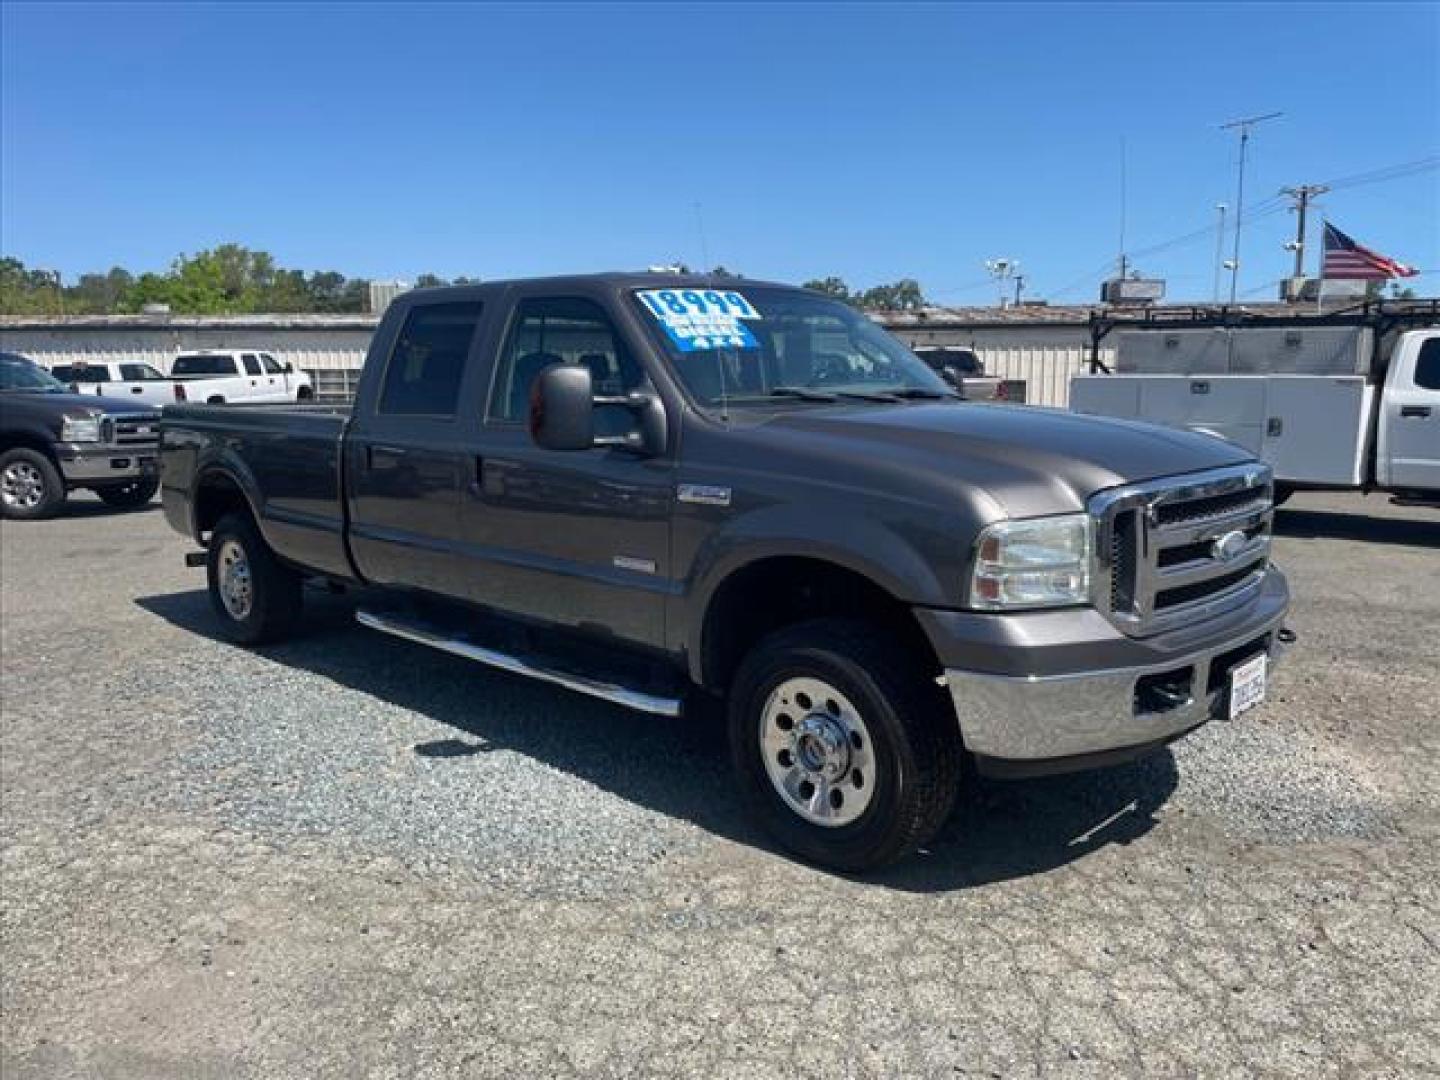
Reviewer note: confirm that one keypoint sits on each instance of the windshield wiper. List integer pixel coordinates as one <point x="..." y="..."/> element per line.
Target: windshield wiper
<point x="870" y="395"/>
<point x="804" y="393"/>
<point x="920" y="393"/>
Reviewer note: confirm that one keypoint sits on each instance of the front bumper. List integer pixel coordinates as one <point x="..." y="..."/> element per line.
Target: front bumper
<point x="85" y="464"/>
<point x="1132" y="694"/>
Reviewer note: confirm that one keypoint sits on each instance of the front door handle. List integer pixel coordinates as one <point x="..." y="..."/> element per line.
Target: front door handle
<point x="1415" y="411"/>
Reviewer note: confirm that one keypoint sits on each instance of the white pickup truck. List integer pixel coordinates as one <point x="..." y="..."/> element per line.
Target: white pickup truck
<point x="125" y="379"/>
<point x="217" y="377"/>
<point x="1328" y="407"/>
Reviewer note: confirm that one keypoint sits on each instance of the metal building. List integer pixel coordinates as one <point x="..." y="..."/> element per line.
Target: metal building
<point x="1043" y="346"/>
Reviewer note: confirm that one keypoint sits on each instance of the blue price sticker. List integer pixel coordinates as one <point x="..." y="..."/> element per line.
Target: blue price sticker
<point x="699" y="319"/>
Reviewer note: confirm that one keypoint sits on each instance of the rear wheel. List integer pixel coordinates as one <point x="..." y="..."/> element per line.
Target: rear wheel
<point x="845" y="750"/>
<point x="257" y="598"/>
<point x="137" y="493"/>
<point x="31" y="487"/>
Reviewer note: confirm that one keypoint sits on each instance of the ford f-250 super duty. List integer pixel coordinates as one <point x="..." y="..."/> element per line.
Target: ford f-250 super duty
<point x="667" y="490"/>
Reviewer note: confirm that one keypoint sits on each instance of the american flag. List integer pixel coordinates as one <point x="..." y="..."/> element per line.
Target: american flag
<point x="1344" y="258"/>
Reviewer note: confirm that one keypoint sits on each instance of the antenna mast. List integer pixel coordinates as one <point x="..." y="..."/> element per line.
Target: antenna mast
<point x="1243" y="126"/>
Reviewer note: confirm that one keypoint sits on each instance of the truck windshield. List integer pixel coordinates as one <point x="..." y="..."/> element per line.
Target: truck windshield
<point x="203" y="365"/>
<point x="20" y="375"/>
<point x="751" y="346"/>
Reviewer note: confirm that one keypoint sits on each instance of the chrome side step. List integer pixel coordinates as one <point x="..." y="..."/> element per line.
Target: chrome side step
<point x="426" y="635"/>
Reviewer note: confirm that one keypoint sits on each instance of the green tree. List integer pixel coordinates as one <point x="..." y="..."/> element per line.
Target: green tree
<point x="831" y="286"/>
<point x="902" y="295"/>
<point x="430" y="281"/>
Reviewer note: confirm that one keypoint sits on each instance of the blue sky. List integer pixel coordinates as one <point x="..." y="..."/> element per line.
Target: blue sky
<point x="871" y="142"/>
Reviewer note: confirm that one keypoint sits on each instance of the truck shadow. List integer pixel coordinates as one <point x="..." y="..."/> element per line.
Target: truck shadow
<point x="999" y="831"/>
<point x="1418" y="531"/>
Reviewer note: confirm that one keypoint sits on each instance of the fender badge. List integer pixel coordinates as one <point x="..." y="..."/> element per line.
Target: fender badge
<point x="703" y="494"/>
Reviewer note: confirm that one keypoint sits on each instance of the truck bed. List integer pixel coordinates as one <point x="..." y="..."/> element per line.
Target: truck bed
<point x="289" y="461"/>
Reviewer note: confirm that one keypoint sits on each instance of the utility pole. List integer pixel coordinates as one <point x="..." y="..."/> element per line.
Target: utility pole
<point x="1302" y="196"/>
<point x="1219" y="248"/>
<point x="1243" y="126"/>
<point x="1002" y="270"/>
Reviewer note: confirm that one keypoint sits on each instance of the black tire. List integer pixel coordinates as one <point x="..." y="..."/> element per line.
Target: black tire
<point x="274" y="589"/>
<point x="31" y="487"/>
<point x="1282" y="494"/>
<point x="305" y="394"/>
<point x="130" y="495"/>
<point x="916" y="744"/>
<point x="216" y="400"/>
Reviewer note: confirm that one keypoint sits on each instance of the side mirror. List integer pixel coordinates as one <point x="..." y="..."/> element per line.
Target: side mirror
<point x="562" y="408"/>
<point x="288" y="368"/>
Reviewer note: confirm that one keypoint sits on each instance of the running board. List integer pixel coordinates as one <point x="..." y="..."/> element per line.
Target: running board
<point x="436" y="639"/>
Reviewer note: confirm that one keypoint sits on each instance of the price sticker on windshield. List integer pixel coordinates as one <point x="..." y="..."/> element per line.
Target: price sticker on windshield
<point x="699" y="319"/>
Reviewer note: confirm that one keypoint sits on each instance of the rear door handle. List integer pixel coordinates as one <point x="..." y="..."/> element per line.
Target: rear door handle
<point x="477" y="478"/>
<point x="374" y="451"/>
<point x="1415" y="411"/>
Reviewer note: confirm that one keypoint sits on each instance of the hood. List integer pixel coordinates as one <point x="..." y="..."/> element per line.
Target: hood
<point x="75" y="404"/>
<point x="1031" y="460"/>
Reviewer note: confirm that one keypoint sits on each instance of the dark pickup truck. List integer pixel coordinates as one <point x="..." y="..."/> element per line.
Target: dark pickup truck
<point x="667" y="491"/>
<point x="53" y="442"/>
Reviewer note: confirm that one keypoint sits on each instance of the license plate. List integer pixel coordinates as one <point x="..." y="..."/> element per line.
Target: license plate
<point x="1247" y="685"/>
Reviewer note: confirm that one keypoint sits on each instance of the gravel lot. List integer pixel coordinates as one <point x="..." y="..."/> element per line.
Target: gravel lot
<point x="348" y="856"/>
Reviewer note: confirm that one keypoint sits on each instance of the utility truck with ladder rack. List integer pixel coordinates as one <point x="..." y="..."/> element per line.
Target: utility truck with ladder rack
<point x="1338" y="400"/>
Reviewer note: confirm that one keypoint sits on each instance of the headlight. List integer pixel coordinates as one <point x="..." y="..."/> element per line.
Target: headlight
<point x="1042" y="562"/>
<point x="80" y="429"/>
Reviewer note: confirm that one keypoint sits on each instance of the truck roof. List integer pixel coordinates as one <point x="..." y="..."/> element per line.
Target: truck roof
<point x="618" y="279"/>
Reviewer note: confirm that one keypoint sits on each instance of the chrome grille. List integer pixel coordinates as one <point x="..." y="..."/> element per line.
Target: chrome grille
<point x="1159" y="551"/>
<point x="130" y="429"/>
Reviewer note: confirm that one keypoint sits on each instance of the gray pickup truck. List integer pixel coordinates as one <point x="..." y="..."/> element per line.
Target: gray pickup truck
<point x="672" y="491"/>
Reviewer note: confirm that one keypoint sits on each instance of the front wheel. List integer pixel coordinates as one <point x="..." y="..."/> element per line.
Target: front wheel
<point x="844" y="749"/>
<point x="31" y="487"/>
<point x="128" y="496"/>
<point x="257" y="598"/>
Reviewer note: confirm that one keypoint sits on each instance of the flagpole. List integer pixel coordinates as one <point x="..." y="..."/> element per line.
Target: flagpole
<point x="1320" y="286"/>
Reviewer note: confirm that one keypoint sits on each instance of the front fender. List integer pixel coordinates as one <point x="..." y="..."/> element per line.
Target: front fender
<point x="864" y="546"/>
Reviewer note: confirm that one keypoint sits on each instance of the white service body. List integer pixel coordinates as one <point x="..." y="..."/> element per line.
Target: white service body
<point x="1314" y="430"/>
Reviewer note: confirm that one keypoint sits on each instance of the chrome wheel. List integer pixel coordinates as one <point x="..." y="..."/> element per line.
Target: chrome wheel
<point x="817" y="752"/>
<point x="236" y="588"/>
<point x="22" y="486"/>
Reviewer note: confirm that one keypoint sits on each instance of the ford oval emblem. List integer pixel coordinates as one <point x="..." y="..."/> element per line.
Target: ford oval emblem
<point x="1229" y="545"/>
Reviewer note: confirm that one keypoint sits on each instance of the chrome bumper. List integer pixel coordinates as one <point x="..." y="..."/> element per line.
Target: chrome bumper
<point x="1041" y="718"/>
<point x="93" y="463"/>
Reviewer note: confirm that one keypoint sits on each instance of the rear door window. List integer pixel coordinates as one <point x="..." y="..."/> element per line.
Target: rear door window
<point x="204" y="365"/>
<point x="427" y="363"/>
<point x="252" y="364"/>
